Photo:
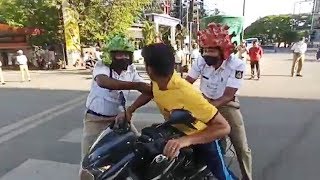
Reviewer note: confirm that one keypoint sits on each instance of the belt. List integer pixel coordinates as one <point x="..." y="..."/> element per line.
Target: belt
<point x="97" y="114"/>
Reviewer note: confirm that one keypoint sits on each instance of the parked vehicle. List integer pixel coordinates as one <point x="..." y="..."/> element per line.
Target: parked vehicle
<point x="249" y="42"/>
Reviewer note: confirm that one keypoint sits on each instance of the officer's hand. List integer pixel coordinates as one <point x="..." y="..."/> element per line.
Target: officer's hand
<point x="124" y="117"/>
<point x="144" y="88"/>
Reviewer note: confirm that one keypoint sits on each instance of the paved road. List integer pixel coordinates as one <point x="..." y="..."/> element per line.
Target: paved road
<point x="40" y="124"/>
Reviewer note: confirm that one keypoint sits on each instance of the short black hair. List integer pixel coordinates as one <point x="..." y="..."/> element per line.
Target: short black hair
<point x="160" y="57"/>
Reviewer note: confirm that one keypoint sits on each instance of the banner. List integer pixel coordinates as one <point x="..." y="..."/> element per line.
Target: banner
<point x="235" y="24"/>
<point x="72" y="33"/>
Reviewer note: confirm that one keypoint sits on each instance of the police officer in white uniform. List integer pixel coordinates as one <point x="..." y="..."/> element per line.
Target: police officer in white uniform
<point x="103" y="102"/>
<point x="221" y="76"/>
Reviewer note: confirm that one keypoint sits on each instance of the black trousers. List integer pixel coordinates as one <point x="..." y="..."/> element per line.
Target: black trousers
<point x="255" y="64"/>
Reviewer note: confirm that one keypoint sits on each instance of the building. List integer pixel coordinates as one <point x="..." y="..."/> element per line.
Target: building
<point x="13" y="39"/>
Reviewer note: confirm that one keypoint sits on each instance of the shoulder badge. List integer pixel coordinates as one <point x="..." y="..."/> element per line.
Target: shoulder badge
<point x="239" y="74"/>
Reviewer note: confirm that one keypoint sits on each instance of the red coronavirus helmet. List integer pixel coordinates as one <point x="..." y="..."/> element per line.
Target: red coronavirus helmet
<point x="216" y="35"/>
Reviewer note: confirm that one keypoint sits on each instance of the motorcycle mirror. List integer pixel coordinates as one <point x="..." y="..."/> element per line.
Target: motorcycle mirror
<point x="180" y="116"/>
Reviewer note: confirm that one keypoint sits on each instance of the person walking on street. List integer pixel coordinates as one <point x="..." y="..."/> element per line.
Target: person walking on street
<point x="221" y="77"/>
<point x="179" y="58"/>
<point x="242" y="51"/>
<point x="112" y="75"/>
<point x="194" y="53"/>
<point x="255" y="54"/>
<point x="1" y="74"/>
<point x="23" y="64"/>
<point x="299" y="49"/>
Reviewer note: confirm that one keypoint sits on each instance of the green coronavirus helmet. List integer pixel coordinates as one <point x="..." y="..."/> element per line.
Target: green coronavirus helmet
<point x="118" y="43"/>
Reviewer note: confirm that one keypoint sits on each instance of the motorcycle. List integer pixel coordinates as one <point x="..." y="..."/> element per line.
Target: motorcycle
<point x="118" y="154"/>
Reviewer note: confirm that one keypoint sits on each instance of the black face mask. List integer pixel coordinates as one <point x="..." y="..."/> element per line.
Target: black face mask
<point x="211" y="61"/>
<point x="120" y="64"/>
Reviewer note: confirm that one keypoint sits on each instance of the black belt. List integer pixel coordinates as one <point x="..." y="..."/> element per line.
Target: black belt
<point x="97" y="114"/>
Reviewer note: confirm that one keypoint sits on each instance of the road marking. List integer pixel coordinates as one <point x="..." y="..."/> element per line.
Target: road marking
<point x="40" y="169"/>
<point x="36" y="121"/>
<point x="73" y="136"/>
<point x="35" y="117"/>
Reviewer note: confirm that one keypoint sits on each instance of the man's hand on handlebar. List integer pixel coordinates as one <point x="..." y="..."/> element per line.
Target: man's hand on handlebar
<point x="173" y="146"/>
<point x="125" y="116"/>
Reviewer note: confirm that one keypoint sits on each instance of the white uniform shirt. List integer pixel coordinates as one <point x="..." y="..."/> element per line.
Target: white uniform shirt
<point x="214" y="81"/>
<point x="98" y="55"/>
<point x="105" y="101"/>
<point x="195" y="54"/>
<point x="22" y="59"/>
<point x="179" y="56"/>
<point x="299" y="47"/>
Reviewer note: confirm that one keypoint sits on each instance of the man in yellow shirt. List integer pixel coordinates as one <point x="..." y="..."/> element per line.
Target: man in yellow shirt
<point x="171" y="92"/>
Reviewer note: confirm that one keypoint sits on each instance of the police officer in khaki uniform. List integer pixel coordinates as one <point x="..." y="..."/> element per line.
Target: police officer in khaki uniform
<point x="221" y="76"/>
<point x="110" y="76"/>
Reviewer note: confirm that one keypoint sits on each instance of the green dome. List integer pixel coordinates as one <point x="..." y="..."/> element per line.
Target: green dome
<point x="116" y="43"/>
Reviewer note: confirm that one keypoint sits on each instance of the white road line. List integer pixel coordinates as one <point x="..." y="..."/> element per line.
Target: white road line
<point x="34" y="169"/>
<point x="35" y="117"/>
<point x="37" y="122"/>
<point x="73" y="136"/>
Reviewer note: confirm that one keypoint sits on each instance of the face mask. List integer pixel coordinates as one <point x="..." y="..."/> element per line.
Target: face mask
<point x="211" y="61"/>
<point x="120" y="64"/>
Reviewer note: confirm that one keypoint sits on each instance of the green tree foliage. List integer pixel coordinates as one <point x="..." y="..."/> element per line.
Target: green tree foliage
<point x="280" y="28"/>
<point x="98" y="19"/>
<point x="155" y="6"/>
<point x="149" y="33"/>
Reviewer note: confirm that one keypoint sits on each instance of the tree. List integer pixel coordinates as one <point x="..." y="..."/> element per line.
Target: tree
<point x="155" y="6"/>
<point x="149" y="33"/>
<point x="99" y="19"/>
<point x="279" y="28"/>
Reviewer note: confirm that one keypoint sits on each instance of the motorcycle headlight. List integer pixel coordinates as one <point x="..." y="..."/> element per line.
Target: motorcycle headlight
<point x="104" y="168"/>
<point x="97" y="172"/>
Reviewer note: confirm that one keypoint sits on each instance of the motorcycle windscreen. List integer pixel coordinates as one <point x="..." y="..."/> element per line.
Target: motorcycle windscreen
<point x="110" y="152"/>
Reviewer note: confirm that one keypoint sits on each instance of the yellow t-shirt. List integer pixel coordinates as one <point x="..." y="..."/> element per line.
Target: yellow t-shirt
<point x="182" y="95"/>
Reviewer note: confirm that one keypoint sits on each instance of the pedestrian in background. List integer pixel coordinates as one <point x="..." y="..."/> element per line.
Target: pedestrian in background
<point x="255" y="54"/>
<point x="299" y="49"/>
<point x="242" y="51"/>
<point x="23" y="64"/>
<point x="194" y="53"/>
<point x="235" y="47"/>
<point x="179" y="58"/>
<point x="1" y="75"/>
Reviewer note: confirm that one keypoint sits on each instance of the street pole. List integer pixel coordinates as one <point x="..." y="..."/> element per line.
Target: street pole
<point x="181" y="10"/>
<point x="190" y="35"/>
<point x="243" y="14"/>
<point x="313" y="13"/>
<point x="312" y="19"/>
<point x="187" y="17"/>
<point x="198" y="18"/>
